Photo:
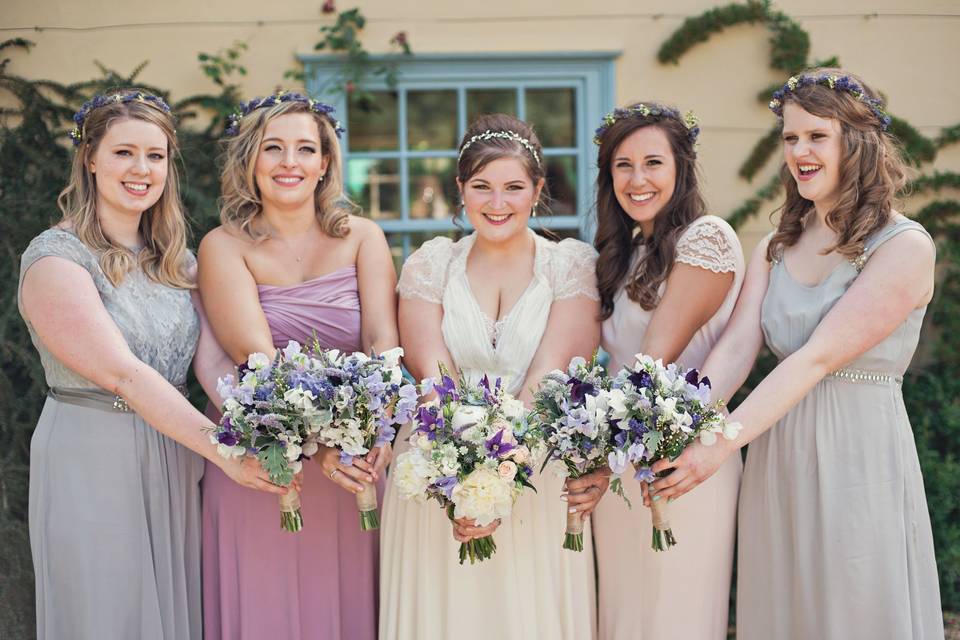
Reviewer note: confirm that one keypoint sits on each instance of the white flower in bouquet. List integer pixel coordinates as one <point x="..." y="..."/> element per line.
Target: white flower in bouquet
<point x="447" y="458"/>
<point x="507" y="470"/>
<point x="520" y="455"/>
<point x="294" y="353"/>
<point x="483" y="496"/>
<point x="467" y="415"/>
<point x="412" y="474"/>
<point x="512" y="408"/>
<point x="310" y="447"/>
<point x="617" y="401"/>
<point x="392" y="357"/>
<point x="299" y="398"/>
<point x="258" y="361"/>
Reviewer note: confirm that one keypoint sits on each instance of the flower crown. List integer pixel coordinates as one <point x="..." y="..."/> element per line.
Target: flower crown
<point x="503" y="135"/>
<point x="102" y="100"/>
<point x="654" y="111"/>
<point x="831" y="81"/>
<point x="246" y="108"/>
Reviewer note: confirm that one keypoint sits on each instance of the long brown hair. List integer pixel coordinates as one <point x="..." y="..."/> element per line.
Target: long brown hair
<point x="615" y="240"/>
<point x="240" y="202"/>
<point x="872" y="171"/>
<point x="162" y="226"/>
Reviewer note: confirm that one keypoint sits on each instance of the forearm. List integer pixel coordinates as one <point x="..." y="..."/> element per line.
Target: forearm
<point x="164" y="408"/>
<point x="729" y="364"/>
<point x="779" y="392"/>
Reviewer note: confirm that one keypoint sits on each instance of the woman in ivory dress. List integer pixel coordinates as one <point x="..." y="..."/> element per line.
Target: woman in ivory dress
<point x="508" y="303"/>
<point x="288" y="263"/>
<point x="115" y="460"/>
<point x="668" y="277"/>
<point x="834" y="535"/>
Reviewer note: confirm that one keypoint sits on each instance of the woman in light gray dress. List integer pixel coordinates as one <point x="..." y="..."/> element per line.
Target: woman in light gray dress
<point x="114" y="465"/>
<point x="834" y="534"/>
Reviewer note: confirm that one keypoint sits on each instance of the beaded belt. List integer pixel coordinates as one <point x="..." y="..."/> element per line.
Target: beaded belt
<point x="96" y="398"/>
<point x="866" y="377"/>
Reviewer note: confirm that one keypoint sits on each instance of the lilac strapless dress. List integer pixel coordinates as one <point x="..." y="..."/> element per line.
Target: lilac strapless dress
<point x="258" y="580"/>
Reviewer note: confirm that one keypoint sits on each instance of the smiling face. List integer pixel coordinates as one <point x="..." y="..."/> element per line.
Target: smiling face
<point x="812" y="149"/>
<point x="290" y="161"/>
<point x="130" y="167"/>
<point x="644" y="173"/>
<point x="499" y="199"/>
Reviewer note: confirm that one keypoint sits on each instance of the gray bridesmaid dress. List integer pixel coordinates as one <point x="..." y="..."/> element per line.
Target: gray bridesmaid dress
<point x="834" y="534"/>
<point x="114" y="505"/>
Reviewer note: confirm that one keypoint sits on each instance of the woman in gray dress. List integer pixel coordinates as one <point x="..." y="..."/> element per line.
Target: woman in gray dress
<point x="115" y="460"/>
<point x="834" y="533"/>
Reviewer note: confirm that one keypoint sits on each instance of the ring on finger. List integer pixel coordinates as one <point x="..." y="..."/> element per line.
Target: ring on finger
<point x="334" y="472"/>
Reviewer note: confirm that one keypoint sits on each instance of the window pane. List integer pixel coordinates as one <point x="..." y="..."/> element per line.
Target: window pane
<point x="484" y="101"/>
<point x="375" y="186"/>
<point x="552" y="112"/>
<point x="431" y="120"/>
<point x="417" y="239"/>
<point x="373" y="126"/>
<point x="562" y="182"/>
<point x="395" y="241"/>
<point x="433" y="188"/>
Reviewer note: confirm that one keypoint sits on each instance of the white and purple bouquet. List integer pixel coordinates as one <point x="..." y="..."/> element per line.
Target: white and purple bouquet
<point x="572" y="410"/>
<point x="472" y="450"/>
<point x="657" y="411"/>
<point x="269" y="413"/>
<point x="362" y="400"/>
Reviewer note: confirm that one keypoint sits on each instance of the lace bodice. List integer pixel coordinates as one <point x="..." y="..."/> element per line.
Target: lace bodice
<point x="436" y="273"/>
<point x="708" y="243"/>
<point x="158" y="322"/>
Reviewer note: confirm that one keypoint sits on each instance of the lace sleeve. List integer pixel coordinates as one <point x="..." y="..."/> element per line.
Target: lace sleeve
<point x="60" y="244"/>
<point x="424" y="274"/>
<point x="575" y="271"/>
<point x="709" y="243"/>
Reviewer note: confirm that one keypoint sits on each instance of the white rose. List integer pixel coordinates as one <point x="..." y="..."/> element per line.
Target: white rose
<point x="512" y="408"/>
<point x="507" y="470"/>
<point x="258" y="361"/>
<point x="520" y="455"/>
<point x="483" y="497"/>
<point x="467" y="415"/>
<point x="411" y="475"/>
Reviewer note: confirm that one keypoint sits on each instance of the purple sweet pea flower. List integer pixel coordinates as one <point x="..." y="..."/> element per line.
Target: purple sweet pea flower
<point x="644" y="474"/>
<point x="446" y="484"/>
<point x="227" y="435"/>
<point x="579" y="390"/>
<point x="406" y="404"/>
<point x="496" y="447"/>
<point x="346" y="459"/>
<point x="641" y="379"/>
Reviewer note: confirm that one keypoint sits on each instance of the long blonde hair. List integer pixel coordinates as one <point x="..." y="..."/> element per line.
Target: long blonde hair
<point x="872" y="171"/>
<point x="241" y="203"/>
<point x="163" y="258"/>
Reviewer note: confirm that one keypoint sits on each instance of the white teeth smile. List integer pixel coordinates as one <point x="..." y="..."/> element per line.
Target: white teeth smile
<point x="809" y="168"/>
<point x="136" y="186"/>
<point x="497" y="218"/>
<point x="288" y="180"/>
<point x="643" y="197"/>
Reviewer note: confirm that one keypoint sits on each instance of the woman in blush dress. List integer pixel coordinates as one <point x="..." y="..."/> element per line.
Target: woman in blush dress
<point x="510" y="304"/>
<point x="834" y="535"/>
<point x="290" y="263"/>
<point x="115" y="460"/>
<point x="668" y="276"/>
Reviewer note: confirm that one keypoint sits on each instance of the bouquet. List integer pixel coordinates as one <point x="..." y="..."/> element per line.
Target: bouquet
<point x="657" y="412"/>
<point x="471" y="450"/>
<point x="269" y="413"/>
<point x="361" y="399"/>
<point x="572" y="410"/>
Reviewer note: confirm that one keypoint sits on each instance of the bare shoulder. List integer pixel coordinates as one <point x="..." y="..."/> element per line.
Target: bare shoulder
<point x="223" y="242"/>
<point x="365" y="229"/>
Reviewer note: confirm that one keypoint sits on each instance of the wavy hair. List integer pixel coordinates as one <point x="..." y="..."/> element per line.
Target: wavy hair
<point x="616" y="240"/>
<point x="241" y="203"/>
<point x="872" y="171"/>
<point x="164" y="230"/>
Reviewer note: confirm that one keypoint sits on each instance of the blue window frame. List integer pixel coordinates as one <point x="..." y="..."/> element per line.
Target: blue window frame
<point x="400" y="158"/>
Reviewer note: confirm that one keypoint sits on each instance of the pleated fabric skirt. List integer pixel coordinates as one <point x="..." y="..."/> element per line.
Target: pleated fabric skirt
<point x="114" y="527"/>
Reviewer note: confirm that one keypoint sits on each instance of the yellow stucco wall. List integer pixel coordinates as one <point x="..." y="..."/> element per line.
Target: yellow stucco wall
<point x="908" y="49"/>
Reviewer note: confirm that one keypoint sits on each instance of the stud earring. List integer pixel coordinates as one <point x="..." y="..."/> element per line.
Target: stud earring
<point x="322" y="176"/>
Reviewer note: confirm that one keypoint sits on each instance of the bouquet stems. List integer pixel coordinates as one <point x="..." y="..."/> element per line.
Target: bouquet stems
<point x="290" y="518"/>
<point x="367" y="504"/>
<point x="478" y="549"/>
<point x="662" y="534"/>
<point x="573" y="539"/>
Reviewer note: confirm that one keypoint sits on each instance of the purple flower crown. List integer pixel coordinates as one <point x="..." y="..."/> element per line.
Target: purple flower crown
<point x="834" y="82"/>
<point x="653" y="112"/>
<point x="246" y="108"/>
<point x="102" y="100"/>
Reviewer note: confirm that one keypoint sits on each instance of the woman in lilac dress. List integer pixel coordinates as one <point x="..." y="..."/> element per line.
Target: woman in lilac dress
<point x="289" y="263"/>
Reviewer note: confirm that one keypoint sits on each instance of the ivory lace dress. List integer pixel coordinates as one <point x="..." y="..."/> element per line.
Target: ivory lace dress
<point x="531" y="588"/>
<point x="683" y="592"/>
